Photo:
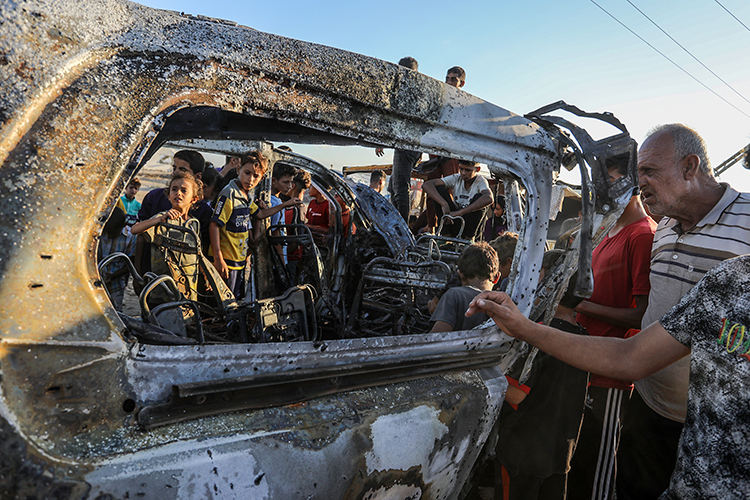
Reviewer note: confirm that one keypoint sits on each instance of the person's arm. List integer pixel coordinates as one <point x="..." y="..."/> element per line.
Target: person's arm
<point x="229" y="167"/>
<point x="514" y="395"/>
<point x="146" y="210"/>
<point x="280" y="220"/>
<point x="254" y="235"/>
<point x="623" y="359"/>
<point x="262" y="213"/>
<point x="318" y="229"/>
<point x="121" y="271"/>
<point x="480" y="203"/>
<point x="430" y="189"/>
<point x="143" y="226"/>
<point x="108" y="277"/>
<point x="446" y="313"/>
<point x="215" y="238"/>
<point x="628" y="317"/>
<point x="432" y="304"/>
<point x="441" y="326"/>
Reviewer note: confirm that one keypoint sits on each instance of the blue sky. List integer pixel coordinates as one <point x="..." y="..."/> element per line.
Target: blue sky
<point x="522" y="55"/>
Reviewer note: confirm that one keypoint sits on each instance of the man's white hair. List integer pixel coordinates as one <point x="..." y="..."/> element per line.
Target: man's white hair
<point x="686" y="142"/>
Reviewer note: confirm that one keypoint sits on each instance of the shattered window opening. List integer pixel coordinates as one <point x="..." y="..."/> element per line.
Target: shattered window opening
<point x="396" y="306"/>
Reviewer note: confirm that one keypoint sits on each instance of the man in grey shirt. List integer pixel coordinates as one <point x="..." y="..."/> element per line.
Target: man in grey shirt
<point x="705" y="222"/>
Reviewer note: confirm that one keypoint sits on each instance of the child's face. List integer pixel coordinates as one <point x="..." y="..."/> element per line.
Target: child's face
<point x="182" y="194"/>
<point x="248" y="177"/>
<point x="131" y="191"/>
<point x="283" y="185"/>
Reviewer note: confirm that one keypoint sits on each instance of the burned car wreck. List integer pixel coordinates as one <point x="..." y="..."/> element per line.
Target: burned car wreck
<point x="321" y="385"/>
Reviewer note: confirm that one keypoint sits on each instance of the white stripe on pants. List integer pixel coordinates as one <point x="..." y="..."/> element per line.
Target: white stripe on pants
<point x="605" y="464"/>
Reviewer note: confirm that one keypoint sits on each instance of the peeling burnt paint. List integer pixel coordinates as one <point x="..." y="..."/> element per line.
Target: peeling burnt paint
<point x="88" y="94"/>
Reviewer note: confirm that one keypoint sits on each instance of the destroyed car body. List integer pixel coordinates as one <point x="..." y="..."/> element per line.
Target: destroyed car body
<point x="97" y="405"/>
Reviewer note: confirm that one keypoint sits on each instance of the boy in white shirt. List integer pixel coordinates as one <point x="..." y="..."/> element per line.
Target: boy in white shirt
<point x="468" y="198"/>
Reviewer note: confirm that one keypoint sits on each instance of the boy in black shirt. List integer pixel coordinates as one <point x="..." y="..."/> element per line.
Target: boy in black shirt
<point x="540" y="419"/>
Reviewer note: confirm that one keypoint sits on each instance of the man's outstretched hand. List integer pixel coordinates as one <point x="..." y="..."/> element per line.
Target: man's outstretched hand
<point x="501" y="309"/>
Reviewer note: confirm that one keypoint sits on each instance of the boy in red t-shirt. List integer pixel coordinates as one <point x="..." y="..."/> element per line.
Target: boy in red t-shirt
<point x="621" y="266"/>
<point x="318" y="212"/>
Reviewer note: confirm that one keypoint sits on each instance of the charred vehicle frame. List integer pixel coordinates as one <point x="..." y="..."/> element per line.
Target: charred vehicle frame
<point x="315" y="402"/>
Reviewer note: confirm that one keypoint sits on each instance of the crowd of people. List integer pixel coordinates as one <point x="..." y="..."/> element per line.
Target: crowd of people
<point x="218" y="206"/>
<point x="640" y="391"/>
<point x="610" y="411"/>
<point x="225" y="215"/>
<point x="453" y="187"/>
<point x="670" y="312"/>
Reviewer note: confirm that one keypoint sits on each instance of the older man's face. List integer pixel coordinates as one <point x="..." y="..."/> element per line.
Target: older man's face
<point x="661" y="176"/>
